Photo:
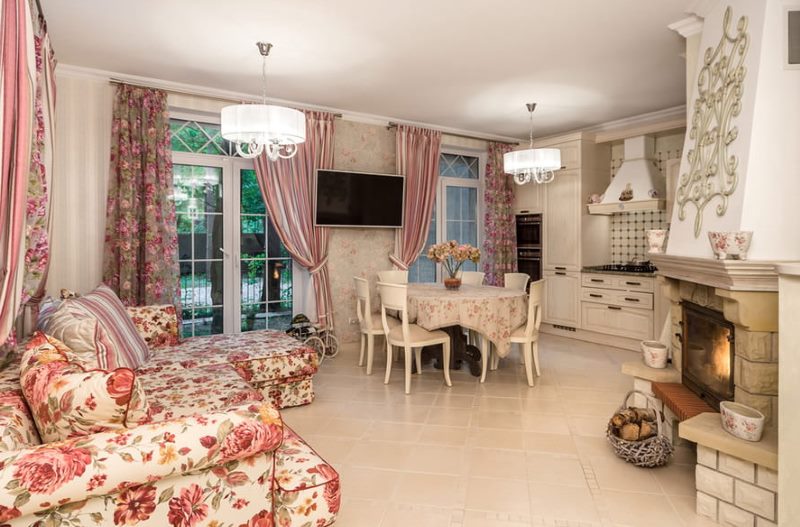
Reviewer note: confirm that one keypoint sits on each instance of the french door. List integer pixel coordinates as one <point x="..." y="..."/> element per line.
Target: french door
<point x="236" y="275"/>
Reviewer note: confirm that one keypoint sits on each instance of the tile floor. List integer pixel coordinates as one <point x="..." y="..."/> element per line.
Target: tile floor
<point x="499" y="454"/>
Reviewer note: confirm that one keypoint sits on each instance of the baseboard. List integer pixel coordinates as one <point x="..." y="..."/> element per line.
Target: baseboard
<point x="592" y="336"/>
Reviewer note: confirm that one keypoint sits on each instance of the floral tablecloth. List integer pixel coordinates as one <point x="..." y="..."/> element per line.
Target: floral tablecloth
<point x="493" y="312"/>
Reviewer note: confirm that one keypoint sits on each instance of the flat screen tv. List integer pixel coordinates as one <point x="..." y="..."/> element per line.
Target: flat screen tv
<point x="358" y="199"/>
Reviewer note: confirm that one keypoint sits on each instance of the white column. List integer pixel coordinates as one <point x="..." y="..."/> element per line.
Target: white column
<point x="789" y="395"/>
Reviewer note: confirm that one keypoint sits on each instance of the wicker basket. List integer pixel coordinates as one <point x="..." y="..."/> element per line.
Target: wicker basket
<point x="651" y="452"/>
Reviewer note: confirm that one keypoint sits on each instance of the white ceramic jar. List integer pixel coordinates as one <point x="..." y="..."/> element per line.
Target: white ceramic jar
<point x="742" y="421"/>
<point x="654" y="354"/>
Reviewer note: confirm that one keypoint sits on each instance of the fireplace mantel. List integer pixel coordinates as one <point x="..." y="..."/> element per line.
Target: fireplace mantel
<point x="733" y="275"/>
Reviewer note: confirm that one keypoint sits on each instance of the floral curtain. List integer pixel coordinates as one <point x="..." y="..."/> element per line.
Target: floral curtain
<point x="16" y="122"/>
<point x="418" y="151"/>
<point x="141" y="242"/>
<point x="288" y="189"/>
<point x="499" y="247"/>
<point x="37" y="252"/>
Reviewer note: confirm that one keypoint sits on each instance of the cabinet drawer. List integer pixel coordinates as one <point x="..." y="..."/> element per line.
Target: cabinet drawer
<point x="635" y="283"/>
<point x="599" y="280"/>
<point x="628" y="322"/>
<point x="617" y="298"/>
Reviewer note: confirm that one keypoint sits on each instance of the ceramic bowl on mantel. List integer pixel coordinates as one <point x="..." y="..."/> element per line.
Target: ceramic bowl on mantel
<point x="741" y="421"/>
<point x="654" y="354"/>
<point x="731" y="245"/>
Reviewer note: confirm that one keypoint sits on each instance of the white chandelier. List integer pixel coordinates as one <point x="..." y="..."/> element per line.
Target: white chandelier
<point x="533" y="164"/>
<point x="259" y="127"/>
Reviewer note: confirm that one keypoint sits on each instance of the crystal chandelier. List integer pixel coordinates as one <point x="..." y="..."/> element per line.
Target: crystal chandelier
<point x="256" y="128"/>
<point x="533" y="164"/>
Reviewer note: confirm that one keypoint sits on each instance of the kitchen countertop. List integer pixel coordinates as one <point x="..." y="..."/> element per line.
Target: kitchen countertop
<point x="597" y="270"/>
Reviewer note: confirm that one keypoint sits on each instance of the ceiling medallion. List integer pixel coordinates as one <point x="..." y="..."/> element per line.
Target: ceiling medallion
<point x="712" y="170"/>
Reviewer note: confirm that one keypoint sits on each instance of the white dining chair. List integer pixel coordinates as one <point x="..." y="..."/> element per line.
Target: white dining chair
<point x="369" y="322"/>
<point x="518" y="281"/>
<point x="411" y="337"/>
<point x="527" y="335"/>
<point x="472" y="277"/>
<point x="393" y="277"/>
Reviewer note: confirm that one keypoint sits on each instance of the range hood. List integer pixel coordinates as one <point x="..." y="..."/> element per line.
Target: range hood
<point x="638" y="185"/>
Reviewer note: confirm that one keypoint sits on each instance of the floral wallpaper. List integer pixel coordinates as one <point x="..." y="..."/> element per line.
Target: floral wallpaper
<point x="358" y="252"/>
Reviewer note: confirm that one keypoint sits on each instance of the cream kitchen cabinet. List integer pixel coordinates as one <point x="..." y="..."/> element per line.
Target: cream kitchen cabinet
<point x="619" y="305"/>
<point x="529" y="199"/>
<point x="562" y="223"/>
<point x="562" y="292"/>
<point x="621" y="321"/>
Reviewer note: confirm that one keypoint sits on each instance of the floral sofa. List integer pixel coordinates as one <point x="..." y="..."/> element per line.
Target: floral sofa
<point x="212" y="450"/>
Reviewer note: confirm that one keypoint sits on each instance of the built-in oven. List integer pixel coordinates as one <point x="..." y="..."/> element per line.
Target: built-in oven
<point x="529" y="230"/>
<point x="529" y="261"/>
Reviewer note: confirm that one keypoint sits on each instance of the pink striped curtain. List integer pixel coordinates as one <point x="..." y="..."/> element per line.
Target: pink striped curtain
<point x="288" y="189"/>
<point x="500" y="245"/>
<point x="418" y="151"/>
<point x="16" y="97"/>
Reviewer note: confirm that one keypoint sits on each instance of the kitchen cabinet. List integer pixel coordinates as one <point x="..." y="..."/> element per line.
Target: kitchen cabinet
<point x="628" y="322"/>
<point x="619" y="305"/>
<point x="561" y="303"/>
<point x="529" y="198"/>
<point x="562" y="222"/>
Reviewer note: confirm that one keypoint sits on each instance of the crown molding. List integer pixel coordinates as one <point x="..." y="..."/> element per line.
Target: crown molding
<point x="702" y="8"/>
<point x="646" y="123"/>
<point x="69" y="70"/>
<point x="687" y="27"/>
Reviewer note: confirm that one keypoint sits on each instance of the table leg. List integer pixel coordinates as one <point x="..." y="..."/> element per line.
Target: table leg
<point x="461" y="351"/>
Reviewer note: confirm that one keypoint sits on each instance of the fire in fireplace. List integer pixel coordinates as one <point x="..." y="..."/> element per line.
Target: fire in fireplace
<point x="708" y="352"/>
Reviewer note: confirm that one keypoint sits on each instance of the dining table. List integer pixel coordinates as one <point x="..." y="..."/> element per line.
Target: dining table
<point x="494" y="312"/>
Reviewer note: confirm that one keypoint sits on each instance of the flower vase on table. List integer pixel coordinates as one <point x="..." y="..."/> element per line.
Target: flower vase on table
<point x="452" y="256"/>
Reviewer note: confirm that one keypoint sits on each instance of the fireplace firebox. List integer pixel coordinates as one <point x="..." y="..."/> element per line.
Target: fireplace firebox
<point x="708" y="354"/>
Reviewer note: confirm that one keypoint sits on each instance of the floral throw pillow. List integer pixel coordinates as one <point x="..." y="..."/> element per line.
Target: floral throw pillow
<point x="158" y="325"/>
<point x="69" y="398"/>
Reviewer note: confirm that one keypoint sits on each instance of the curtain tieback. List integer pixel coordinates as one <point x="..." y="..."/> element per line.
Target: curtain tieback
<point x="317" y="268"/>
<point x="397" y="262"/>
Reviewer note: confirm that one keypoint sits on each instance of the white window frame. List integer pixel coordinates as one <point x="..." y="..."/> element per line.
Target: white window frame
<point x="231" y="210"/>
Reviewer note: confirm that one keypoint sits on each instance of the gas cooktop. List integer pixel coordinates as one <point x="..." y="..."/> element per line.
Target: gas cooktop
<point x="645" y="267"/>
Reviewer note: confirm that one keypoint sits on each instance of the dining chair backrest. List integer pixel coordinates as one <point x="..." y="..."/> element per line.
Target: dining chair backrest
<point x="363" y="305"/>
<point x="393" y="277"/>
<point x="518" y="281"/>
<point x="472" y="277"/>
<point x="534" y="308"/>
<point x="394" y="297"/>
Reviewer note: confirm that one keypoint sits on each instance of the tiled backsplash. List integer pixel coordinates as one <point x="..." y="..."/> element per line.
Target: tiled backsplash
<point x="628" y="239"/>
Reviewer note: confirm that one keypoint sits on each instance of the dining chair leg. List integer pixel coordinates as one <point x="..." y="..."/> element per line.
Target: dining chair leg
<point x="446" y="360"/>
<point x="484" y="358"/>
<point x="361" y="354"/>
<point x="418" y="359"/>
<point x="495" y="359"/>
<point x="388" y="362"/>
<point x="536" y="358"/>
<point x="370" y="352"/>
<point x="408" y="353"/>
<point x="527" y="355"/>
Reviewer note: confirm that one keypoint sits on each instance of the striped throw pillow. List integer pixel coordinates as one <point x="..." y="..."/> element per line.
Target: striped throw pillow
<point x="110" y="332"/>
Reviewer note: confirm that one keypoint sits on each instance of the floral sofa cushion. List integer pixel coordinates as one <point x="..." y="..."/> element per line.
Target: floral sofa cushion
<point x="17" y="429"/>
<point x="307" y="488"/>
<point x="175" y="393"/>
<point x="158" y="325"/>
<point x="67" y="399"/>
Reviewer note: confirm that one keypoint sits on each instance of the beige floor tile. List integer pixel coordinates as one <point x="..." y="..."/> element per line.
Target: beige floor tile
<point x="402" y="515"/>
<point x="633" y="509"/>
<point x="451" y="400"/>
<point x="435" y="490"/>
<point x="332" y="449"/>
<point x="499" y="495"/>
<point x="492" y="463"/>
<point x="444" y="435"/>
<point x="560" y="502"/>
<point x="546" y="468"/>
<point x="583" y="395"/>
<point x="380" y="454"/>
<point x="361" y="513"/>
<point x="490" y="519"/>
<point x="547" y="424"/>
<point x="550" y="443"/>
<point x="497" y="388"/>
<point x="344" y="427"/>
<point x="677" y="480"/>
<point x="543" y="406"/>
<point x="588" y="426"/>
<point x="501" y="404"/>
<point x="449" y="416"/>
<point x="388" y="431"/>
<point x="306" y="425"/>
<point x="403" y="414"/>
<point x="590" y="447"/>
<point x="368" y="483"/>
<point x="438" y="459"/>
<point x="498" y="419"/>
<point x="616" y="474"/>
<point x="540" y="391"/>
<point x="496" y="438"/>
<point x="685" y="506"/>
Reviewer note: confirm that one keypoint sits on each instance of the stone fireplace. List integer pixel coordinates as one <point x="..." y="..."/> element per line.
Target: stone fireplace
<point x="708" y="349"/>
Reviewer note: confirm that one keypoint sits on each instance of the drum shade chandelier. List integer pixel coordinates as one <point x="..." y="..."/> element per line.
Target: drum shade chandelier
<point x="256" y="128"/>
<point x="533" y="164"/>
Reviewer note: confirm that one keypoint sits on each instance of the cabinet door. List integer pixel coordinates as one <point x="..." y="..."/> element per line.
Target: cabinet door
<point x="562" y="298"/>
<point x="562" y="222"/>
<point x="614" y="320"/>
<point x="528" y="198"/>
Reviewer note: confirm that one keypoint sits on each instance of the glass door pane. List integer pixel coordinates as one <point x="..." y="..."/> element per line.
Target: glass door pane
<point x="265" y="265"/>
<point x="198" y="205"/>
<point x="461" y="217"/>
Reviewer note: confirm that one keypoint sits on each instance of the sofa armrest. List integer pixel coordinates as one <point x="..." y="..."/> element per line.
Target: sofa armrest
<point x="38" y="478"/>
<point x="158" y="325"/>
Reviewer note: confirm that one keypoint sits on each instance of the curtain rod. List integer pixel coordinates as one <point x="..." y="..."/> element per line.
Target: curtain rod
<point x="183" y="92"/>
<point x="465" y="136"/>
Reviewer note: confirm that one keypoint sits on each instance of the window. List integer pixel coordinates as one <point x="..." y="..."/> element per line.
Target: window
<point x="457" y="211"/>
<point x="236" y="275"/>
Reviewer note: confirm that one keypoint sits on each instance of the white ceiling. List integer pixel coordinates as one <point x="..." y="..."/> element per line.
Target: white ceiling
<point x="465" y="64"/>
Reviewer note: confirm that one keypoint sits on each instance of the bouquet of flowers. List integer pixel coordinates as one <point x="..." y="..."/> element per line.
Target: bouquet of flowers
<point x="452" y="255"/>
